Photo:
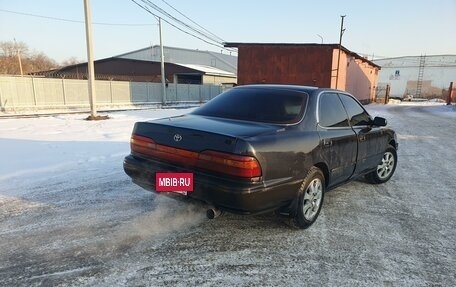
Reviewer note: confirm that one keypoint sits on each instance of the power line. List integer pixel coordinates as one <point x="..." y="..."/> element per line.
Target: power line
<point x="157" y="16"/>
<point x="73" y="21"/>
<point x="192" y="21"/>
<point x="180" y="22"/>
<point x="185" y="27"/>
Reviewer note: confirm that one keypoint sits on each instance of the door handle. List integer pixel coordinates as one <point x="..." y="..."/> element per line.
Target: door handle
<point x="327" y="143"/>
<point x="362" y="138"/>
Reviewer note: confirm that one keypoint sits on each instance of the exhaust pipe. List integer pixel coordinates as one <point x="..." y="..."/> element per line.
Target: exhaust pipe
<point x="212" y="213"/>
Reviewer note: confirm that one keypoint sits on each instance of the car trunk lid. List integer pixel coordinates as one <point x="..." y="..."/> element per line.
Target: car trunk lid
<point x="198" y="133"/>
<point x="183" y="142"/>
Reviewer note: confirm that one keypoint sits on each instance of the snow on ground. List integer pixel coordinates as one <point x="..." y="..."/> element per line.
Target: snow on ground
<point x="69" y="216"/>
<point x="43" y="144"/>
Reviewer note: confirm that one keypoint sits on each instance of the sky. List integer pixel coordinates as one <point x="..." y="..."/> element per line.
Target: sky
<point x="378" y="29"/>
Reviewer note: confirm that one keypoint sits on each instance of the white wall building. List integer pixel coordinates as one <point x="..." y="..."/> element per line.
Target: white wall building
<point x="420" y="76"/>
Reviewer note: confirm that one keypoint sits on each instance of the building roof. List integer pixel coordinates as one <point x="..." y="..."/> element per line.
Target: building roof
<point x="209" y="70"/>
<point x="334" y="46"/>
<point x="414" y="61"/>
<point x="119" y="69"/>
<point x="129" y="69"/>
<point x="175" y="55"/>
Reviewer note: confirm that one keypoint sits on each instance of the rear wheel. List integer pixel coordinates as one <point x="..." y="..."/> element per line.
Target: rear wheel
<point x="385" y="169"/>
<point x="310" y="198"/>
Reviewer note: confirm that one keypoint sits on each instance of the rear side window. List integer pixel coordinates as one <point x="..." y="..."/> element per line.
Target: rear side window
<point x="331" y="112"/>
<point x="266" y="105"/>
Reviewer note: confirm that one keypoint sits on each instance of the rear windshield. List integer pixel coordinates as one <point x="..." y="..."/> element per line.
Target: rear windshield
<point x="258" y="105"/>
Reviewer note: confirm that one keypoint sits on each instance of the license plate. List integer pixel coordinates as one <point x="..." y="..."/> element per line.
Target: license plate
<point x="179" y="182"/>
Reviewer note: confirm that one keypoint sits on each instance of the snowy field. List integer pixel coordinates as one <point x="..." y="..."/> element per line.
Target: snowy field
<point x="69" y="216"/>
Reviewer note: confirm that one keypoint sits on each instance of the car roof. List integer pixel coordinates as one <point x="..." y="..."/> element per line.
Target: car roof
<point x="307" y="89"/>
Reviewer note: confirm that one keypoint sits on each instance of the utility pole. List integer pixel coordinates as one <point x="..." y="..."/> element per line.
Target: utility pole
<point x="90" y="68"/>
<point x="342" y="30"/>
<point x="162" y="63"/>
<point x="20" y="62"/>
<point x="387" y="94"/>
<point x="450" y="92"/>
<point x="18" y="53"/>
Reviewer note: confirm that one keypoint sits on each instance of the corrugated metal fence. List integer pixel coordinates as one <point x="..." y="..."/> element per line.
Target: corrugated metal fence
<point x="43" y="93"/>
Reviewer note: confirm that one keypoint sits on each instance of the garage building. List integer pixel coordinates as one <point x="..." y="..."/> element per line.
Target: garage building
<point x="307" y="64"/>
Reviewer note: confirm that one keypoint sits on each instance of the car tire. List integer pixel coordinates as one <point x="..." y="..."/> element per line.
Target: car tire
<point x="310" y="199"/>
<point x="385" y="169"/>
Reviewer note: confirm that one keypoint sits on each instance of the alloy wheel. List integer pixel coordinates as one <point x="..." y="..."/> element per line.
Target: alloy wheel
<point x="312" y="199"/>
<point x="385" y="168"/>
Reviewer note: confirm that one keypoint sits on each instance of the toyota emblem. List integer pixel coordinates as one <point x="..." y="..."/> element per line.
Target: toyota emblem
<point x="177" y="137"/>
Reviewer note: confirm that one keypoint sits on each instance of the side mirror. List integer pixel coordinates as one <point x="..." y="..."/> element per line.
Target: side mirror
<point x="379" y="122"/>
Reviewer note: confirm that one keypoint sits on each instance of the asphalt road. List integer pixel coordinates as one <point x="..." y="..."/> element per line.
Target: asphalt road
<point x="105" y="231"/>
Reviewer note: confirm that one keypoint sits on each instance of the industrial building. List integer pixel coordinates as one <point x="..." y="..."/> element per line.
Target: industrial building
<point x="221" y="61"/>
<point x="123" y="69"/>
<point x="418" y="76"/>
<point x="322" y="65"/>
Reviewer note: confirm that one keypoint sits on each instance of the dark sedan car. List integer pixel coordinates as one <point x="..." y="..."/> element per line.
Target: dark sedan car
<point x="260" y="148"/>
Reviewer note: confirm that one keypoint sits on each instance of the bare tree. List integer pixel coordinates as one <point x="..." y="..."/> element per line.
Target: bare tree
<point x="31" y="62"/>
<point x="12" y="48"/>
<point x="41" y="62"/>
<point x="70" y="61"/>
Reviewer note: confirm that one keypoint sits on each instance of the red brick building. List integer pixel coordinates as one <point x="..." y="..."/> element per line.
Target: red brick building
<point x="307" y="64"/>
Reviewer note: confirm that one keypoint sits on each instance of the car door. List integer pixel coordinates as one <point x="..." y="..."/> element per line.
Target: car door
<point x="371" y="142"/>
<point x="338" y="140"/>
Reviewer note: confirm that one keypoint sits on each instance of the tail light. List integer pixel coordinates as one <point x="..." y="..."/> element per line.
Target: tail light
<point x="236" y="165"/>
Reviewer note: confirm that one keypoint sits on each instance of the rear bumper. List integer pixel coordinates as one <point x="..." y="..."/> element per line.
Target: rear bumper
<point x="233" y="195"/>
